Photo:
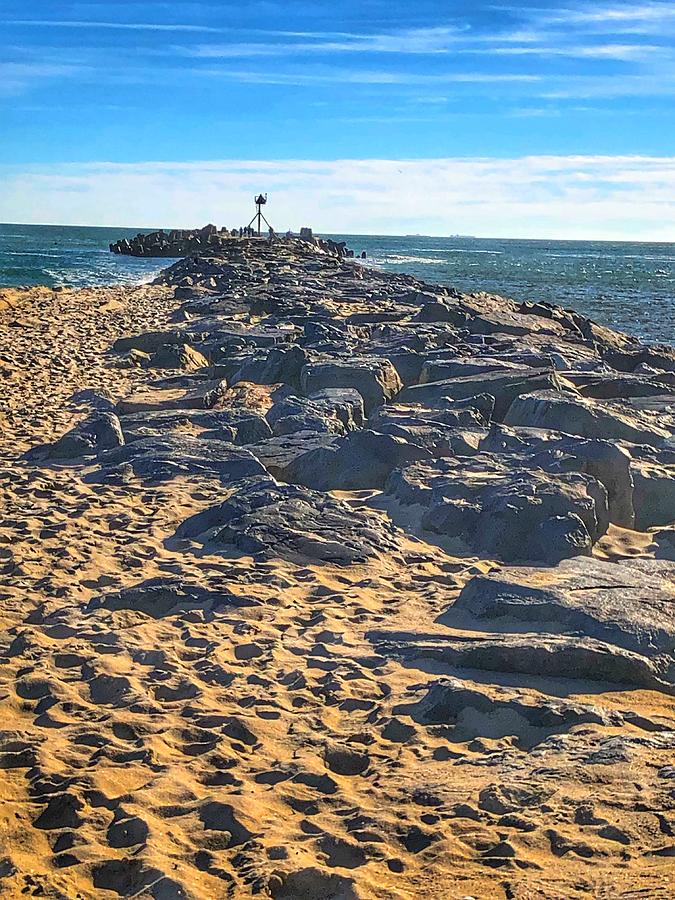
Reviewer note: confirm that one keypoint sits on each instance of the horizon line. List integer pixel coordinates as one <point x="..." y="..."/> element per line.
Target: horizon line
<point x="320" y="233"/>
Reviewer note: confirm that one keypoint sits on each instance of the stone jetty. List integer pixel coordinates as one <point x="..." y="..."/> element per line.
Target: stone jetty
<point x="209" y="239"/>
<point x="326" y="582"/>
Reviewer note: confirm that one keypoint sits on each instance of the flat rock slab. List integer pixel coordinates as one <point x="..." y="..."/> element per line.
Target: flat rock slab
<point x="505" y="384"/>
<point x="201" y="395"/>
<point x="264" y="519"/>
<point x="624" y="605"/>
<point x="543" y="655"/>
<point x="236" y="426"/>
<point x="159" y="597"/>
<point x="158" y="459"/>
<point x="639" y="421"/>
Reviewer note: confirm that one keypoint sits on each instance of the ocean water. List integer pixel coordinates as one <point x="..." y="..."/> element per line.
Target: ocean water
<point x="628" y="286"/>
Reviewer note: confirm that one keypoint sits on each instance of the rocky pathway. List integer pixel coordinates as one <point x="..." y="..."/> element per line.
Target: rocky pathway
<point x="326" y="583"/>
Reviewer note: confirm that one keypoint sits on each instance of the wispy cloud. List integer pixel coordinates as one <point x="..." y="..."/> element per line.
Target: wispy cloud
<point x="16" y="77"/>
<point x="556" y="196"/>
<point x="117" y="26"/>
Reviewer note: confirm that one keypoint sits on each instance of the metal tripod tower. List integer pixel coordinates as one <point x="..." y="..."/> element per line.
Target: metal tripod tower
<point x="260" y="201"/>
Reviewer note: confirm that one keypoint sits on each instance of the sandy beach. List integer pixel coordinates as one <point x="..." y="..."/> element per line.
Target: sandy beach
<point x="181" y="720"/>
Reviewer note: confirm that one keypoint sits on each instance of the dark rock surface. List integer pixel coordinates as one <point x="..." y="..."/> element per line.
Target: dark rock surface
<point x="265" y="519"/>
<point x="499" y="509"/>
<point x="601" y="600"/>
<point x="100" y="431"/>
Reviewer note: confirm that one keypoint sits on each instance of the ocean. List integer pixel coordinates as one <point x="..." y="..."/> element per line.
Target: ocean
<point x="627" y="286"/>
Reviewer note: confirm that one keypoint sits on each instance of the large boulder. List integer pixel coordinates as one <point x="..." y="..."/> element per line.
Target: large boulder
<point x="266" y="520"/>
<point x="277" y="366"/>
<point x="363" y="459"/>
<point x="654" y="491"/>
<point x="176" y="455"/>
<point x="375" y="379"/>
<point x="504" y="384"/>
<point x="505" y="511"/>
<point x="607" y="420"/>
<point x="279" y="452"/>
<point x="623" y="605"/>
<point x="334" y="410"/>
<point x="98" y="432"/>
<point x="555" y="452"/>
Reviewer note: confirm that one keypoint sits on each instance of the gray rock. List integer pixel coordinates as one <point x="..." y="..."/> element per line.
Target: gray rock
<point x="654" y="493"/>
<point x="236" y="426"/>
<point x="99" y="431"/>
<point x="178" y="356"/>
<point x="465" y="367"/>
<point x="619" y="605"/>
<point x="152" y="341"/>
<point x="605" y="420"/>
<point x="471" y="713"/>
<point x="505" y="385"/>
<point x="159" y="597"/>
<point x="375" y="379"/>
<point x="277" y="366"/>
<point x="554" y="452"/>
<point x="268" y="520"/>
<point x="496" y="508"/>
<point x="279" y="452"/>
<point x="535" y="654"/>
<point x="176" y="455"/>
<point x="200" y="395"/>
<point x="334" y="411"/>
<point x="363" y="459"/>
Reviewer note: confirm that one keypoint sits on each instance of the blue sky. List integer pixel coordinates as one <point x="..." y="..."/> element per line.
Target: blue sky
<point x="434" y="85"/>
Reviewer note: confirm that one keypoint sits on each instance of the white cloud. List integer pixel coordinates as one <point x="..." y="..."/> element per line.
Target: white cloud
<point x="118" y="26"/>
<point x="539" y="196"/>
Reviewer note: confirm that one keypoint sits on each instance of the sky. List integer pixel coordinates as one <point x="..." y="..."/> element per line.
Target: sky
<point x="499" y="119"/>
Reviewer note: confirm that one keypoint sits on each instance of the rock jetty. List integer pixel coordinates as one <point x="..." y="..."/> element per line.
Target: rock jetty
<point x="210" y="238"/>
<point x="337" y="584"/>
